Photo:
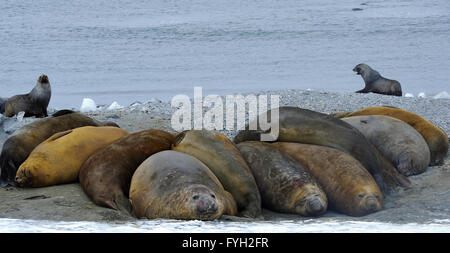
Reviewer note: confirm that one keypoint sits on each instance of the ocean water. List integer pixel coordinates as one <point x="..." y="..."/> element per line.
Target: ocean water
<point x="176" y="226"/>
<point x="134" y="50"/>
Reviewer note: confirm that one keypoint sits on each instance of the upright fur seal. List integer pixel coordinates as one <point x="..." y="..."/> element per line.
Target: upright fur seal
<point x="174" y="185"/>
<point x="285" y="185"/>
<point x="106" y="176"/>
<point x="435" y="137"/>
<point x="19" y="145"/>
<point x="59" y="158"/>
<point x="350" y="188"/>
<point x="225" y="161"/>
<point x="400" y="143"/>
<point x="309" y="127"/>
<point x="34" y="103"/>
<point x="376" y="83"/>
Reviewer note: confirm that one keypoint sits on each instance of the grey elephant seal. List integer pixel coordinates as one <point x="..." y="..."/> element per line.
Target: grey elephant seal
<point x="34" y="103"/>
<point x="173" y="185"/>
<point x="105" y="177"/>
<point x="19" y="145"/>
<point x="310" y="127"/>
<point x="376" y="83"/>
<point x="285" y="185"/>
<point x="399" y="142"/>
<point x="223" y="158"/>
<point x="350" y="188"/>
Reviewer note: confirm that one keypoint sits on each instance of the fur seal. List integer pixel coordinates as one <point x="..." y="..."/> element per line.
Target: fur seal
<point x="400" y="143"/>
<point x="58" y="159"/>
<point x="174" y="185"/>
<point x="34" y="103"/>
<point x="350" y="188"/>
<point x="19" y="145"/>
<point x="223" y="158"/>
<point x="435" y="137"/>
<point x="105" y="177"/>
<point x="2" y="105"/>
<point x="285" y="185"/>
<point x="310" y="127"/>
<point x="376" y="83"/>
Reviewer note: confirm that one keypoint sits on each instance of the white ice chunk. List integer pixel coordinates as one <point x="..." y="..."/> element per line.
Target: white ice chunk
<point x="409" y="95"/>
<point x="115" y="106"/>
<point x="443" y="94"/>
<point x="88" y="105"/>
<point x="20" y="116"/>
<point x="422" y="95"/>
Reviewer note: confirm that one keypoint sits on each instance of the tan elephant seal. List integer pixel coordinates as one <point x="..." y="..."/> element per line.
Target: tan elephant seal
<point x="19" y="145"/>
<point x="285" y="185"/>
<point x="58" y="159"/>
<point x="400" y="143"/>
<point x="309" y="127"/>
<point x="106" y="176"/>
<point x="174" y="185"/>
<point x="348" y="185"/>
<point x="225" y="161"/>
<point x="34" y="103"/>
<point x="376" y="83"/>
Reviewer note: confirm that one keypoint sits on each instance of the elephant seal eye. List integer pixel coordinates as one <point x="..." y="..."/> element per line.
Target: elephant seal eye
<point x="360" y="196"/>
<point x="213" y="196"/>
<point x="195" y="197"/>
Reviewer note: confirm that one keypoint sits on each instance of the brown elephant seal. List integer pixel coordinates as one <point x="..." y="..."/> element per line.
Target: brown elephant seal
<point x="19" y="145"/>
<point x="400" y="143"/>
<point x="58" y="159"/>
<point x="350" y="188"/>
<point x="34" y="103"/>
<point x="435" y="137"/>
<point x="285" y="185"/>
<point x="309" y="127"/>
<point x="174" y="185"/>
<point x="376" y="83"/>
<point x="106" y="176"/>
<point x="222" y="157"/>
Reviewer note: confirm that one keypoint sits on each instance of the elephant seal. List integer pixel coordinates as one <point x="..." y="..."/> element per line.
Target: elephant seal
<point x="222" y="157"/>
<point x="2" y="105"/>
<point x="105" y="177"/>
<point x="285" y="185"/>
<point x="58" y="159"/>
<point x="435" y="137"/>
<point x="174" y="185"/>
<point x="19" y="145"/>
<point x="376" y="83"/>
<point x="400" y="143"/>
<point x="350" y="188"/>
<point x="34" y="103"/>
<point x="309" y="127"/>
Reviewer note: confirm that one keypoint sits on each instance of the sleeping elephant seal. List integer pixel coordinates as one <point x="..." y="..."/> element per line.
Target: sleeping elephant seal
<point x="350" y="188"/>
<point x="285" y="185"/>
<point x="376" y="83"/>
<point x="19" y="145"/>
<point x="174" y="185"/>
<point x="309" y="127"/>
<point x="401" y="144"/>
<point x="58" y="159"/>
<point x="435" y="137"/>
<point x="225" y="161"/>
<point x="105" y="177"/>
<point x="34" y="103"/>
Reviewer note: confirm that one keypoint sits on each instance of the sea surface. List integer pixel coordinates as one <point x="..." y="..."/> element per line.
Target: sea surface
<point x="134" y="50"/>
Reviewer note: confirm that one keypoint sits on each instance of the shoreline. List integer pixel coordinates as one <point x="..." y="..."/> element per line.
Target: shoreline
<point x="426" y="201"/>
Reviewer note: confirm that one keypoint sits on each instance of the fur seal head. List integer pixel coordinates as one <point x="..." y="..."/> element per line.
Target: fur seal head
<point x="367" y="73"/>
